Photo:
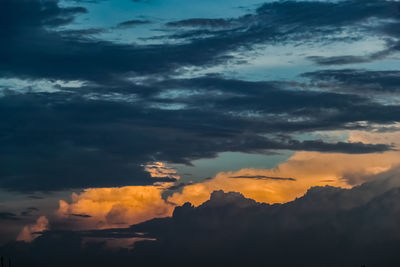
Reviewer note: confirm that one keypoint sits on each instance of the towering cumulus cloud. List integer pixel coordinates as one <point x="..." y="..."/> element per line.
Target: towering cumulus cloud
<point x="114" y="207"/>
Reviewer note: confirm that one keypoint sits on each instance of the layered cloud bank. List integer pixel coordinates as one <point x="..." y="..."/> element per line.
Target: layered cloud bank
<point x="328" y="226"/>
<point x="114" y="207"/>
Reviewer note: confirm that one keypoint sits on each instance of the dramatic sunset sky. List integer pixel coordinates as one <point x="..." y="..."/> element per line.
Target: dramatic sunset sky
<point x="117" y="112"/>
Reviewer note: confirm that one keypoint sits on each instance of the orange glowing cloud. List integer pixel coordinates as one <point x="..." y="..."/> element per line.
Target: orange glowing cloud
<point x="307" y="168"/>
<point x="120" y="207"/>
<point x="115" y="207"/>
<point x="161" y="170"/>
<point x="30" y="232"/>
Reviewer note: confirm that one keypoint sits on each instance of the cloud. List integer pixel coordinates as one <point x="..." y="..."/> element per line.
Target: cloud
<point x="35" y="197"/>
<point x="201" y="22"/>
<point x="321" y="226"/>
<point x="308" y="168"/>
<point x="128" y="115"/>
<point x="32" y="231"/>
<point x="118" y="207"/>
<point x="113" y="207"/>
<point x="109" y="125"/>
<point x="28" y="211"/>
<point x="290" y="20"/>
<point x="356" y="80"/>
<point x="161" y="170"/>
<point x="132" y="23"/>
<point x="83" y="142"/>
<point x="8" y="216"/>
<point x="81" y="215"/>
<point x="264" y="177"/>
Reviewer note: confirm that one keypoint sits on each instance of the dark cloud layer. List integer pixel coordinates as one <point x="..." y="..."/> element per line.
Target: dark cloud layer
<point x="8" y="216"/>
<point x="101" y="133"/>
<point x="357" y="81"/>
<point x="265" y="177"/>
<point x="58" y="141"/>
<point x="26" y="36"/>
<point x="132" y="23"/>
<point x="200" y="22"/>
<point x="28" y="211"/>
<point x="328" y="226"/>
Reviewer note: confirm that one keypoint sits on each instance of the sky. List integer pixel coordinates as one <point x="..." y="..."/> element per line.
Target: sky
<point x="209" y="132"/>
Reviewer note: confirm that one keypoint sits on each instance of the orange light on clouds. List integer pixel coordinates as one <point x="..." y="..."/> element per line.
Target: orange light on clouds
<point x="308" y="168"/>
<point x="115" y="207"/>
<point x="121" y="207"/>
<point x="30" y="232"/>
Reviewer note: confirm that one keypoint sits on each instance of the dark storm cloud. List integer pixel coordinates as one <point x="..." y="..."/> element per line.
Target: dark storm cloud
<point x="132" y="23"/>
<point x="265" y="100"/>
<point x="349" y="59"/>
<point x="351" y="148"/>
<point x="37" y="14"/>
<point x="81" y="33"/>
<point x="357" y="81"/>
<point x="65" y="146"/>
<point x="80" y="215"/>
<point x="178" y="186"/>
<point x="53" y="141"/>
<point x="261" y="177"/>
<point x="101" y="134"/>
<point x="200" y="22"/>
<point x="35" y="197"/>
<point x="9" y="216"/>
<point x="301" y="21"/>
<point x="318" y="13"/>
<point x="328" y="226"/>
<point x="340" y="60"/>
<point x="42" y="52"/>
<point x="58" y="141"/>
<point x="28" y="211"/>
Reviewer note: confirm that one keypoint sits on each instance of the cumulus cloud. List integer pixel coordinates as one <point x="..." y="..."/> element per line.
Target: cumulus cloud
<point x="306" y="169"/>
<point x="32" y="231"/>
<point x="113" y="207"/>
